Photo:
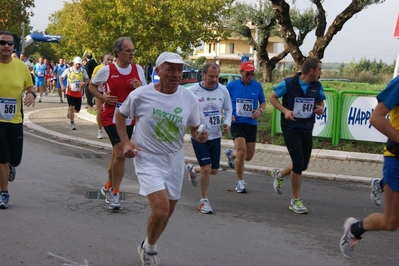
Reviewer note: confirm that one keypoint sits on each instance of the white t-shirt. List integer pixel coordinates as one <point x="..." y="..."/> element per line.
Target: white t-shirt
<point x="102" y="74"/>
<point x="215" y="105"/>
<point x="161" y="119"/>
<point x="29" y="64"/>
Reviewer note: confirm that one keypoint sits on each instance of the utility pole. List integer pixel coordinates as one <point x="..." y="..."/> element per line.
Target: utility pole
<point x="256" y="60"/>
<point x="23" y="37"/>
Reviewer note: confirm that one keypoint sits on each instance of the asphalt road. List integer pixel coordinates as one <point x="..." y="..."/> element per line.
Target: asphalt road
<point x="51" y="221"/>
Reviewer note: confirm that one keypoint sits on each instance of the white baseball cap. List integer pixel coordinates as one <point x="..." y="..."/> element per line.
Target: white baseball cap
<point x="170" y="58"/>
<point x="77" y="60"/>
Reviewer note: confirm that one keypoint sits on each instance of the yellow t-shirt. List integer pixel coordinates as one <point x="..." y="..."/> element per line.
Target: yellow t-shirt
<point x="96" y="69"/>
<point x="14" y="79"/>
<point x="394" y="120"/>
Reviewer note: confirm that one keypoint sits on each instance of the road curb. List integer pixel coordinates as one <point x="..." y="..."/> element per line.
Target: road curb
<point x="329" y="154"/>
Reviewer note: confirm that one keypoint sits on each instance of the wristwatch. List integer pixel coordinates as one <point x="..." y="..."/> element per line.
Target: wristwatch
<point x="34" y="94"/>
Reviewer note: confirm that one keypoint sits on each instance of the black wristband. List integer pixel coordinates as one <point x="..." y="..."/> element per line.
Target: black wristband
<point x="34" y="94"/>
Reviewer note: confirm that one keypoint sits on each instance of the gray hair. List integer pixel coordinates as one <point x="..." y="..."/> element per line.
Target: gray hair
<point x="118" y="44"/>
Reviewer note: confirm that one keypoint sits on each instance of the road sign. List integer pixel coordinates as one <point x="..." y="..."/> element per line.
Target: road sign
<point x="244" y="58"/>
<point x="396" y="30"/>
<point x="154" y="77"/>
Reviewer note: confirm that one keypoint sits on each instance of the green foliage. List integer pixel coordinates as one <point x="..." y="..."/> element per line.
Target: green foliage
<point x="374" y="67"/>
<point x="200" y="62"/>
<point x="154" y="26"/>
<point x="13" y="13"/>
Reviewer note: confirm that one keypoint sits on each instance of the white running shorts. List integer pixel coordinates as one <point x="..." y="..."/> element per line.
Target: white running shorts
<point x="156" y="172"/>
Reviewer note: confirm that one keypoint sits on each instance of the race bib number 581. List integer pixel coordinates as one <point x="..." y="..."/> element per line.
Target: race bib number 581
<point x="8" y="108"/>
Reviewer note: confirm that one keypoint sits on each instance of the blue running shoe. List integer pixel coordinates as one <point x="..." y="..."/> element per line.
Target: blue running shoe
<point x="241" y="187"/>
<point x="230" y="160"/>
<point x="13" y="171"/>
<point x="4" y="200"/>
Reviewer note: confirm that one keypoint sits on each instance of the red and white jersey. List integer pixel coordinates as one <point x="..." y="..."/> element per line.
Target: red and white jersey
<point x="118" y="85"/>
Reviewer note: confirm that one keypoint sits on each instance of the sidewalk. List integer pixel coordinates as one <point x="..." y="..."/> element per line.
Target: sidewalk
<point x="324" y="164"/>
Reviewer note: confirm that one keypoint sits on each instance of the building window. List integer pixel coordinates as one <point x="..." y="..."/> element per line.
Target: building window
<point x="209" y="48"/>
<point x="231" y="48"/>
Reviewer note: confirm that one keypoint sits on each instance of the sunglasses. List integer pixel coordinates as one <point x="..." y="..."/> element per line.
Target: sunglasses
<point x="3" y="43"/>
<point x="249" y="74"/>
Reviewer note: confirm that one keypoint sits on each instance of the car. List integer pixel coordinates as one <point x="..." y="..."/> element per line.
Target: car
<point x="224" y="79"/>
<point x="189" y="76"/>
<point x="335" y="79"/>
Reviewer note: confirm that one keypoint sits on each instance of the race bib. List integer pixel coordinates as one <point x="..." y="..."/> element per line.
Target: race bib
<point x="128" y="119"/>
<point x="212" y="116"/>
<point x="303" y="107"/>
<point x="75" y="86"/>
<point x="8" y="108"/>
<point x="244" y="107"/>
<point x="40" y="74"/>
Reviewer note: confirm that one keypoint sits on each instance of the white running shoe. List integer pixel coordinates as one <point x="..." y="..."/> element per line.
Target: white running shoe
<point x="115" y="201"/>
<point x="100" y="134"/>
<point x="107" y="194"/>
<point x="278" y="181"/>
<point x="376" y="191"/>
<point x="147" y="259"/>
<point x="296" y="206"/>
<point x="204" y="206"/>
<point x="348" y="241"/>
<point x="192" y="175"/>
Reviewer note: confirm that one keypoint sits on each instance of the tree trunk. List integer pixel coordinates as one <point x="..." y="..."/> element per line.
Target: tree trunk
<point x="282" y="10"/>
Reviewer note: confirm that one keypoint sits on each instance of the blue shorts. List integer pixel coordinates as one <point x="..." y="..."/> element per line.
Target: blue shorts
<point x="39" y="82"/>
<point x="391" y="172"/>
<point x="208" y="152"/>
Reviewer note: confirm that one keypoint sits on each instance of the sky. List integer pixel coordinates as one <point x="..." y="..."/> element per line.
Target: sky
<point x="368" y="34"/>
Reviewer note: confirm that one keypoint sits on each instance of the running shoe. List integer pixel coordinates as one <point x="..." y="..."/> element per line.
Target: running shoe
<point x="230" y="160"/>
<point x="4" y="200"/>
<point x="13" y="172"/>
<point x="61" y="100"/>
<point x="204" y="206"/>
<point x="73" y="126"/>
<point x="115" y="202"/>
<point x="107" y="194"/>
<point x="147" y="259"/>
<point x="278" y="181"/>
<point x="40" y="99"/>
<point x="376" y="191"/>
<point x="348" y="241"/>
<point x="192" y="175"/>
<point x="296" y="206"/>
<point x="100" y="134"/>
<point x="241" y="187"/>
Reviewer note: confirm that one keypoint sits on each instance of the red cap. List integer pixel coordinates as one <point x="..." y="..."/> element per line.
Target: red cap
<point x="247" y="66"/>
